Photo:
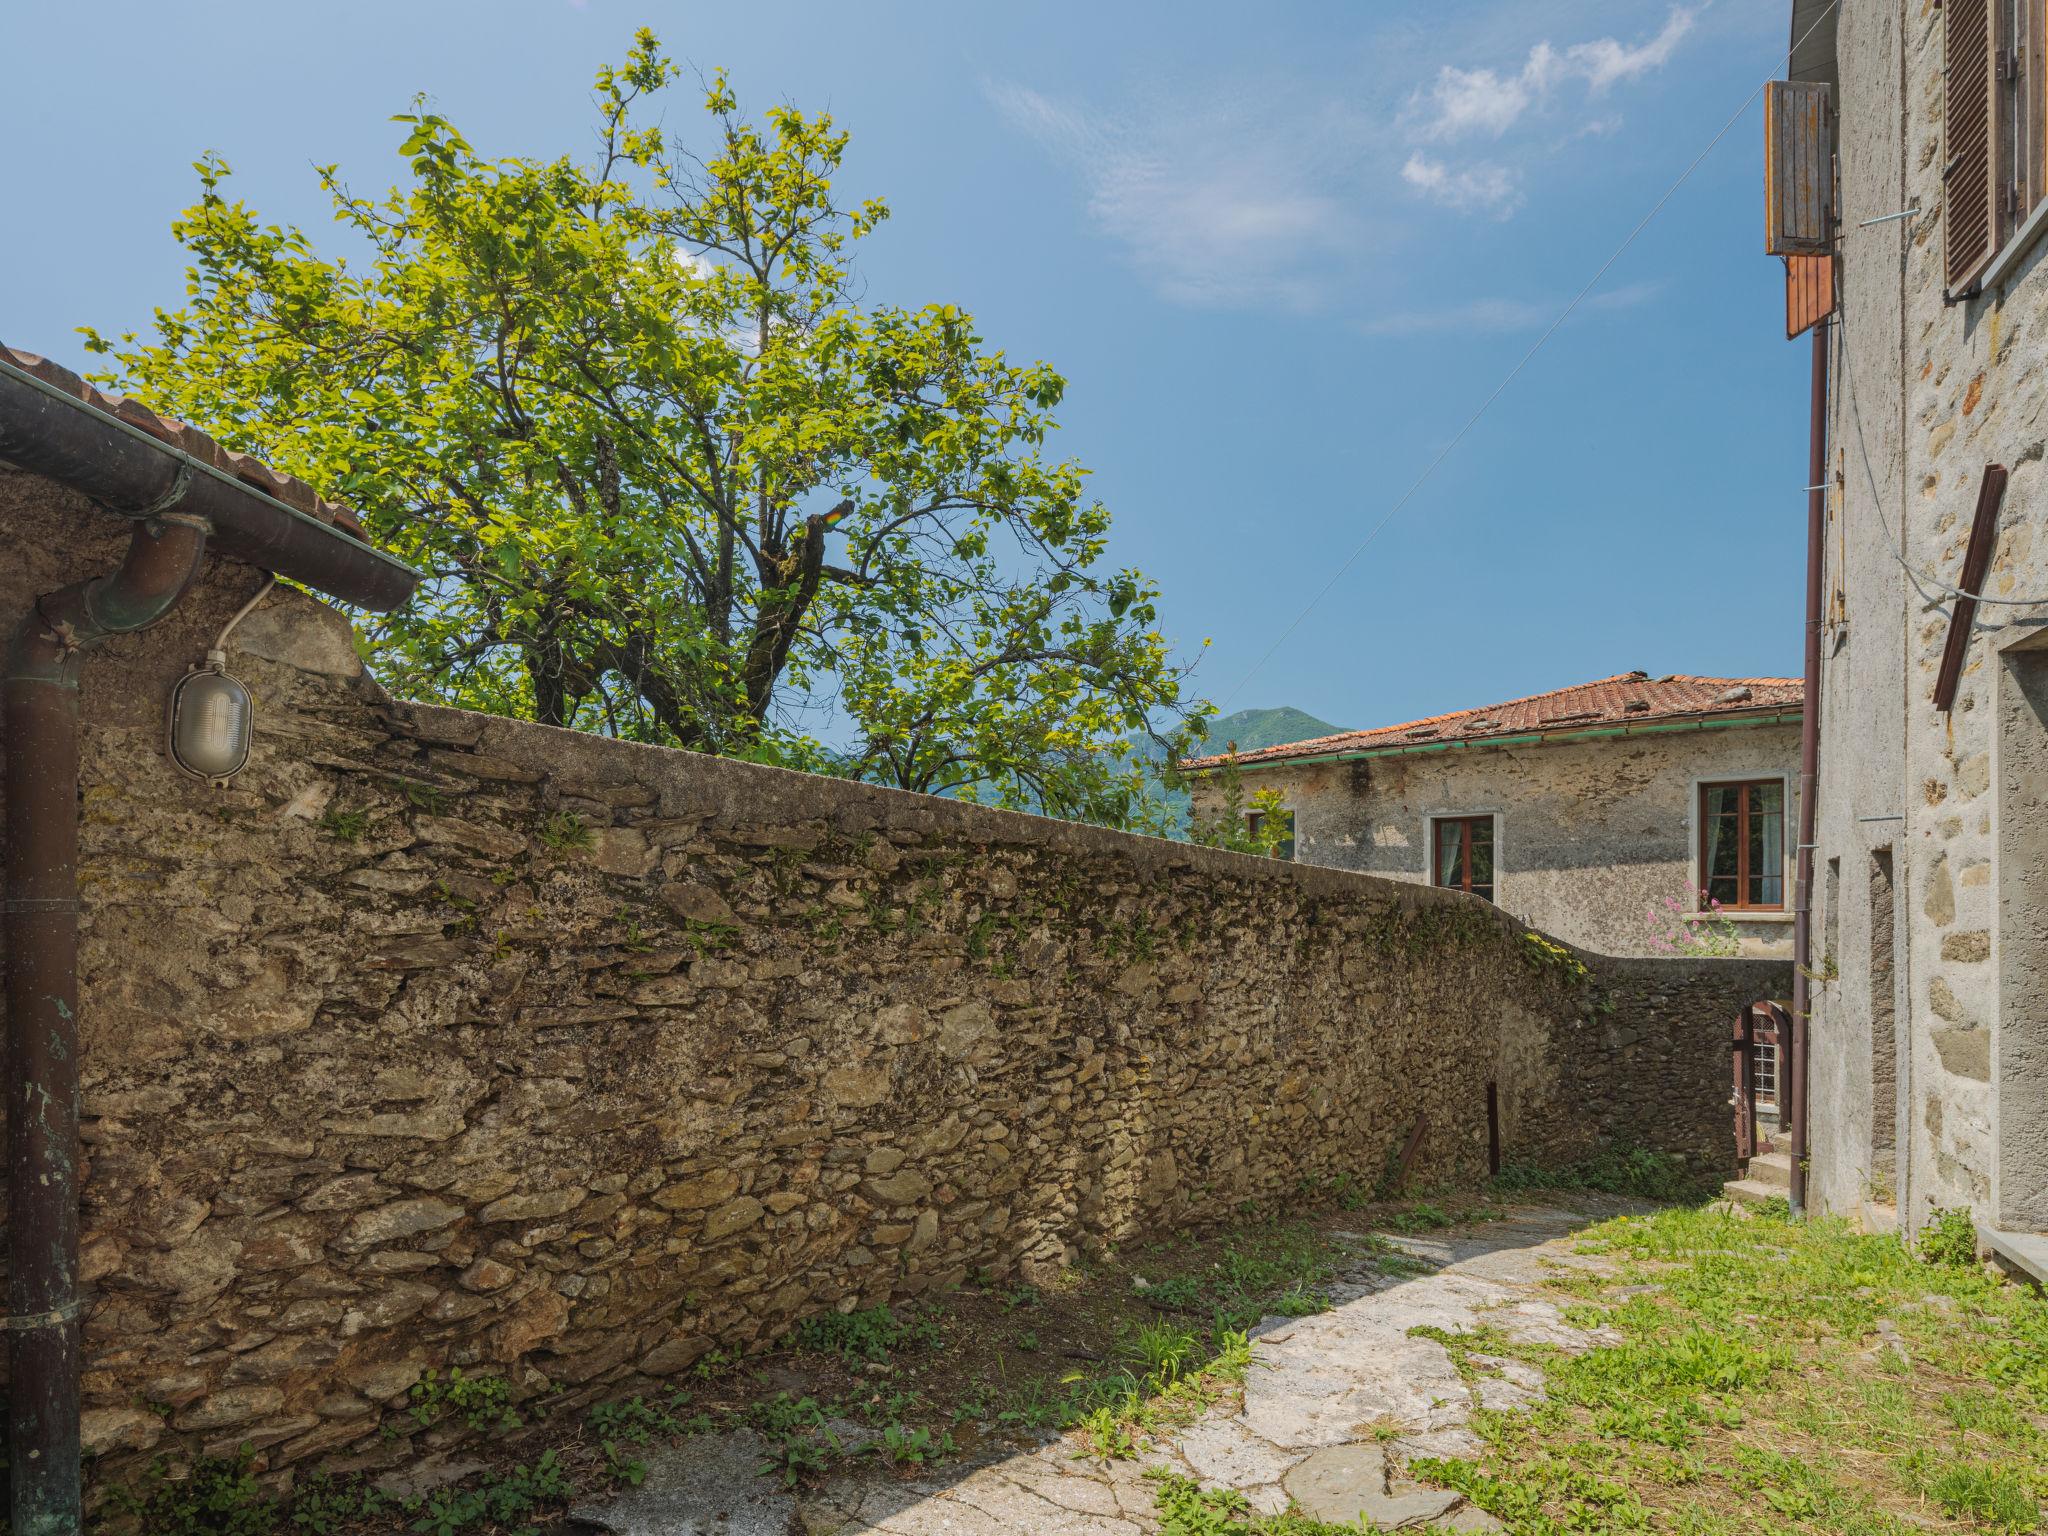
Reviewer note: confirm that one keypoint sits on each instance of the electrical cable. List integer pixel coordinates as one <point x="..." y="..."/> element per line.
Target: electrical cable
<point x="221" y="641"/>
<point x="1527" y="357"/>
<point x="1920" y="579"/>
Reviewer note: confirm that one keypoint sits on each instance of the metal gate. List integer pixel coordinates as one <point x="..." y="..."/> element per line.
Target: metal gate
<point x="1758" y="1030"/>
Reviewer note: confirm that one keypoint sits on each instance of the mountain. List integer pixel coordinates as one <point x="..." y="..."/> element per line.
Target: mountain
<point x="1252" y="729"/>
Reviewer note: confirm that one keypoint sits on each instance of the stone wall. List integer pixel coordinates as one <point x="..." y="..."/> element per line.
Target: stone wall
<point x="1588" y="835"/>
<point x="441" y="1040"/>
<point x="1930" y="1048"/>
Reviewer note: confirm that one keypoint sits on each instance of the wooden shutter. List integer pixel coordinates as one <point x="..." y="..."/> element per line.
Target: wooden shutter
<point x="1799" y="168"/>
<point x="1809" y="292"/>
<point x="1969" y="176"/>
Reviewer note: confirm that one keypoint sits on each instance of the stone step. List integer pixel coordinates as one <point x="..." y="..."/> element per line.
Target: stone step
<point x="1752" y="1191"/>
<point x="1774" y="1168"/>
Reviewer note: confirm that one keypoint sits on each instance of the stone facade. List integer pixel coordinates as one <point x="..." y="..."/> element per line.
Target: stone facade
<point x="1929" y="1058"/>
<point x="1589" y="836"/>
<point x="438" y="1040"/>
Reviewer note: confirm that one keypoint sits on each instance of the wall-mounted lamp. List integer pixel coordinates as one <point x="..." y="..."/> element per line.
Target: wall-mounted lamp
<point x="212" y="715"/>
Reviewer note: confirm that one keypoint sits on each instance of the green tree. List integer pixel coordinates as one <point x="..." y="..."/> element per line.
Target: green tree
<point x="1261" y="825"/>
<point x="668" y="477"/>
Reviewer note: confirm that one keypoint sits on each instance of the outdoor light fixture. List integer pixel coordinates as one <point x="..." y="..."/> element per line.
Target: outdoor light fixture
<point x="212" y="715"/>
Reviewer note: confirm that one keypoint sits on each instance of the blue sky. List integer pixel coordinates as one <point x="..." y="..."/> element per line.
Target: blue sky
<point x="1282" y="252"/>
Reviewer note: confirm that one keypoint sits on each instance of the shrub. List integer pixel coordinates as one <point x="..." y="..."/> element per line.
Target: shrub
<point x="1950" y="1239"/>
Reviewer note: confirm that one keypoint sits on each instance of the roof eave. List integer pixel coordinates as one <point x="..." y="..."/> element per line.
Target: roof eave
<point x="1782" y="714"/>
<point x="1812" y="54"/>
<point x="51" y="432"/>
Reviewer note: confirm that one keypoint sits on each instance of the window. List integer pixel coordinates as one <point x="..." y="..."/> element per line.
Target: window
<point x="1742" y="844"/>
<point x="1765" y="1052"/>
<point x="1464" y="854"/>
<point x="1993" y="170"/>
<point x="1255" y="825"/>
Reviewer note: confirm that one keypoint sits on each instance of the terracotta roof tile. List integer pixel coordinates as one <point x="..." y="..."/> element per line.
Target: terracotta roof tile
<point x="1628" y="698"/>
<point x="292" y="492"/>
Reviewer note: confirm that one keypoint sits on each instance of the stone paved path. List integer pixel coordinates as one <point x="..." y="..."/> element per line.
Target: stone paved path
<point x="1321" y="1393"/>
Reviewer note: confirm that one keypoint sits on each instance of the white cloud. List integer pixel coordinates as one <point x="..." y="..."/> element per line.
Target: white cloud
<point x="1481" y="187"/>
<point x="1463" y="104"/>
<point x="1218" y="207"/>
<point x="1284" y="195"/>
<point x="1468" y="103"/>
<point x="1503" y="315"/>
<point x="697" y="266"/>
<point x="1604" y="61"/>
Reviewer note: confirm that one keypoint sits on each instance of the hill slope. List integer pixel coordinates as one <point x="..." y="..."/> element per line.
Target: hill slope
<point x="1252" y="729"/>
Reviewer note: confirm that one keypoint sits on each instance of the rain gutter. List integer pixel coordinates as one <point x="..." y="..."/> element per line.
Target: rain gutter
<point x="1786" y="716"/>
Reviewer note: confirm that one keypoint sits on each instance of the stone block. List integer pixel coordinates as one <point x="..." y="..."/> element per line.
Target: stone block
<point x="397" y="1220"/>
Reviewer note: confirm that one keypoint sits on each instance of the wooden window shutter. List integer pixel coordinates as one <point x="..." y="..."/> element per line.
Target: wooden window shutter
<point x="1969" y="177"/>
<point x="1809" y="292"/>
<point x="1799" y="168"/>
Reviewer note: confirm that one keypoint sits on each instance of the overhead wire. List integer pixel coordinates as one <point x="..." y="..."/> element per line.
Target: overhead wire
<point x="1515" y="372"/>
<point x="1920" y="579"/>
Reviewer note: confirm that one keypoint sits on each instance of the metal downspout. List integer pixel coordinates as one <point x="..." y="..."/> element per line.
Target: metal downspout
<point x="39" y="718"/>
<point x="1809" y="762"/>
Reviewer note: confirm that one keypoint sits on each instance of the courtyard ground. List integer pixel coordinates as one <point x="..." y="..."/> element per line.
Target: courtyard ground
<point x="1539" y="1362"/>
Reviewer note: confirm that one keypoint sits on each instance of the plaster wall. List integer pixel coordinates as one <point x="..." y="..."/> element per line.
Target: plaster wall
<point x="1588" y="836"/>
<point x="1926" y="394"/>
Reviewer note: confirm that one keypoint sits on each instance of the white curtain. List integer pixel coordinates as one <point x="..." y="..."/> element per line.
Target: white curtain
<point x="1772" y="868"/>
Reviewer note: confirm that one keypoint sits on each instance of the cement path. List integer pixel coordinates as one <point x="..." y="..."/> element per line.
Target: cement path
<point x="1333" y="1406"/>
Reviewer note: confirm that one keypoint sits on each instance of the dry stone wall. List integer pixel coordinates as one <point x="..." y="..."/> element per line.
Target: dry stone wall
<point x="437" y="1040"/>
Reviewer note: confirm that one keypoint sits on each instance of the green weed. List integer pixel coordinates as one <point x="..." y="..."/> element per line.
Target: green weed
<point x="869" y="1336"/>
<point x="481" y="1402"/>
<point x="565" y="832"/>
<point x="1950" y="1239"/>
<point x="424" y="797"/>
<point x="345" y="826"/>
<point x="913" y="1447"/>
<point x="1420" y="1217"/>
<point x="506" y="1500"/>
<point x="1612" y="1170"/>
<point x="1186" y="1508"/>
<point x="1164" y="1350"/>
<point x="1181" y="1293"/>
<point x="217" y="1496"/>
<point x="1106" y="1433"/>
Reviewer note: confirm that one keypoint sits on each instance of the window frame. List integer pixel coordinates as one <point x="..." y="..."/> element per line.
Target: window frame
<point x="2017" y="163"/>
<point x="1285" y="851"/>
<point x="2016" y="143"/>
<point x="1786" y="823"/>
<point x="1434" y="854"/>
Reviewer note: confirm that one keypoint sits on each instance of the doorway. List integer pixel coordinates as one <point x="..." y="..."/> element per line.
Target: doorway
<point x="1884" y="1033"/>
<point x="2019" y="1044"/>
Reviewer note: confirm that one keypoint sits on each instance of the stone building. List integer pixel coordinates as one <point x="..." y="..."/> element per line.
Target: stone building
<point x="1585" y="811"/>
<point x="1929" y="1037"/>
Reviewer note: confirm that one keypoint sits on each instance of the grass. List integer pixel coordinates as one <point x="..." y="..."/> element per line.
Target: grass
<point x="1118" y="1352"/>
<point x="1772" y="1377"/>
<point x="1186" y="1508"/>
<point x="1640" y="1174"/>
<point x="870" y="1336"/>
